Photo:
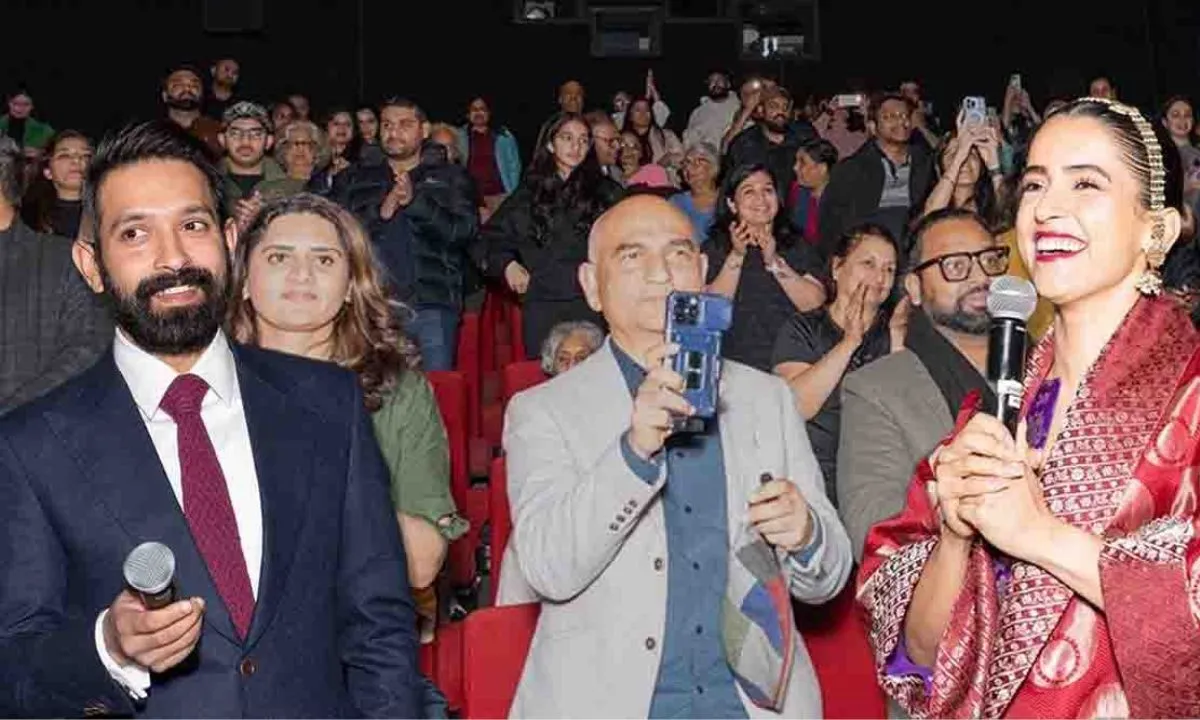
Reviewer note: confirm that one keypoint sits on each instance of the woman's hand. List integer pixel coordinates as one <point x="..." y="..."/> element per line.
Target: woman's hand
<point x="988" y="142"/>
<point x="765" y="239"/>
<point x="898" y="325"/>
<point x="1014" y="520"/>
<point x="517" y="277"/>
<point x="742" y="237"/>
<point x="982" y="461"/>
<point x="857" y="319"/>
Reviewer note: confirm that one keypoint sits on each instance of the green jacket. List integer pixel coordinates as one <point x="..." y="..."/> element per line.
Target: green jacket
<point x="275" y="184"/>
<point x="413" y="440"/>
<point x="37" y="133"/>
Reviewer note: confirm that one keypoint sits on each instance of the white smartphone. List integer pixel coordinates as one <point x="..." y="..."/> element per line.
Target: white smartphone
<point x="849" y="101"/>
<point x="1015" y="80"/>
<point x="974" y="110"/>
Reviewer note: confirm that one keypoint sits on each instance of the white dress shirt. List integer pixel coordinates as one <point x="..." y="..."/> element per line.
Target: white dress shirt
<point x="224" y="417"/>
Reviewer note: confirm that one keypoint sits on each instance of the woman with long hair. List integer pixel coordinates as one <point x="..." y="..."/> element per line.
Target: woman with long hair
<point x="537" y="238"/>
<point x="1057" y="573"/>
<point x="306" y="283"/>
<point x="757" y="259"/>
<point x="53" y="201"/>
<point x="814" y="350"/>
<point x="659" y="145"/>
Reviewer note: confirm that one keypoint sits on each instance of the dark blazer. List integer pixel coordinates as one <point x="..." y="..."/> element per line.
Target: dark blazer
<point x="333" y="630"/>
<point x="856" y="184"/>
<point x="52" y="327"/>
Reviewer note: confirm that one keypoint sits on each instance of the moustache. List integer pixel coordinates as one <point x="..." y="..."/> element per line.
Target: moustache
<point x="196" y="277"/>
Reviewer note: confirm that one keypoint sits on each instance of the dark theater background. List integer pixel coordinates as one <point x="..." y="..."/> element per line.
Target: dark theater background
<point x="108" y="56"/>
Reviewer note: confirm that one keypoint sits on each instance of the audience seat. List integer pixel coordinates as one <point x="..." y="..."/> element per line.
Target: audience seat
<point x="520" y="376"/>
<point x="516" y="329"/>
<point x="495" y="641"/>
<point x="836" y="638"/>
<point x="500" y="519"/>
<point x="450" y="389"/>
<point x="468" y="363"/>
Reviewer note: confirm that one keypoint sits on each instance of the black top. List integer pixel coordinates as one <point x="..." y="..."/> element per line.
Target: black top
<point x="64" y="218"/>
<point x="760" y="306"/>
<point x="807" y="338"/>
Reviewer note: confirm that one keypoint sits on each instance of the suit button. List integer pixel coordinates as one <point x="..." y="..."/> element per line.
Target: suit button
<point x="651" y="643"/>
<point x="614" y="527"/>
<point x="620" y="518"/>
<point x="247" y="667"/>
<point x="658" y="564"/>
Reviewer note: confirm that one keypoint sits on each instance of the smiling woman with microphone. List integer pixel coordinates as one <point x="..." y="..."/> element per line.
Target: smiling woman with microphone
<point x="1056" y="573"/>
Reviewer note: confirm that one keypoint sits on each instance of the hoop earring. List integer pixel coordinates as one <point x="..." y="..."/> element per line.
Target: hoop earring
<point x="1150" y="283"/>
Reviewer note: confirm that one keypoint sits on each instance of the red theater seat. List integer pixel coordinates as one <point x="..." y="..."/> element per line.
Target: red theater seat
<point x="520" y="376"/>
<point x="495" y="643"/>
<point x="501" y="519"/>
<point x="450" y="389"/>
<point x="836" y="639"/>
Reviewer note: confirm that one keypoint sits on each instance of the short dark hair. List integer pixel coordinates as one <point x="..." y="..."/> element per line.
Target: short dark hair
<point x="12" y="171"/>
<point x="925" y="224"/>
<point x="822" y="151"/>
<point x="404" y="103"/>
<point x="141" y="142"/>
<point x="182" y="67"/>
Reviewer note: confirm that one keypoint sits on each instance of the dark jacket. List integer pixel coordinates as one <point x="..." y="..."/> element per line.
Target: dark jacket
<point x="333" y="631"/>
<point x="856" y="184"/>
<point x="52" y="327"/>
<point x="422" y="247"/>
<point x="751" y="146"/>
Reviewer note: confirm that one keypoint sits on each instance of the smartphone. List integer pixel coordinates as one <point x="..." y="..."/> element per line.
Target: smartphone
<point x="1014" y="80"/>
<point x="697" y="323"/>
<point x="849" y="101"/>
<point x="974" y="110"/>
<point x="992" y="114"/>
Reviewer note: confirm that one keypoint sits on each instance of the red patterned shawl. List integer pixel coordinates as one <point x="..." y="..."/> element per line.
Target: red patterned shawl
<point x="1125" y="468"/>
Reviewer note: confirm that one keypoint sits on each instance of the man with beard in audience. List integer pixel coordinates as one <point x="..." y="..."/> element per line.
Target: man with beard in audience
<point x="773" y="141"/>
<point x="897" y="409"/>
<point x="259" y="471"/>
<point x="715" y="113"/>
<point x="183" y="95"/>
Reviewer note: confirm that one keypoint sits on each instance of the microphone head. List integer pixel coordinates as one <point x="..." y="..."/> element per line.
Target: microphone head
<point x="150" y="568"/>
<point x="1011" y="298"/>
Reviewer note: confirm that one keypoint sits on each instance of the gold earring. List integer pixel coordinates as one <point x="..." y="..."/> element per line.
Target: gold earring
<point x="1150" y="282"/>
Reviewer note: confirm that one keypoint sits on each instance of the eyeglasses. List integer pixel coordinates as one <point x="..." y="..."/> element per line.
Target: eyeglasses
<point x="956" y="267"/>
<point x="238" y="134"/>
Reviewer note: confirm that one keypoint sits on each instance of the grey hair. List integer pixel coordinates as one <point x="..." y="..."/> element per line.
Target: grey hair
<point x="561" y="332"/>
<point x="706" y="150"/>
<point x="321" y="153"/>
<point x="12" y="171"/>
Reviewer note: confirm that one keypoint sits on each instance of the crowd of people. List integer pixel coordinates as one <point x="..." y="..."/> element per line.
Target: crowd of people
<point x="215" y="329"/>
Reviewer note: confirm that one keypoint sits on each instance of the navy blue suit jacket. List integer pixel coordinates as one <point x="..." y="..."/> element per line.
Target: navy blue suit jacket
<point x="81" y="485"/>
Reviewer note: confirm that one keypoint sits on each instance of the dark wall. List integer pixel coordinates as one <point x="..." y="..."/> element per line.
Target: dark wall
<point x="92" y="63"/>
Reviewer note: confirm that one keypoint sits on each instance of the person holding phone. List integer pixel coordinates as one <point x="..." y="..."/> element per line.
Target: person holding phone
<point x="636" y="539"/>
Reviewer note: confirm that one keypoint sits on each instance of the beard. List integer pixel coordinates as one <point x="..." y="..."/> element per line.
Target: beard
<point x="718" y="94"/>
<point x="186" y="103"/>
<point x="962" y="320"/>
<point x="177" y="331"/>
<point x="776" y="124"/>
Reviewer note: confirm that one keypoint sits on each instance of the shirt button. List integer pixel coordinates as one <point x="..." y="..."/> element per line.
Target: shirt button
<point x="695" y="566"/>
<point x="678" y="453"/>
<point x="658" y="564"/>
<point x="651" y="643"/>
<point x="699" y="629"/>
<point x="699" y="690"/>
<point x="247" y="667"/>
<point x="687" y="509"/>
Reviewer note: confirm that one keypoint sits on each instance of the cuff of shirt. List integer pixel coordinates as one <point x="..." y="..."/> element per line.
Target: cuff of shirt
<point x="646" y="470"/>
<point x="133" y="677"/>
<point x="803" y="557"/>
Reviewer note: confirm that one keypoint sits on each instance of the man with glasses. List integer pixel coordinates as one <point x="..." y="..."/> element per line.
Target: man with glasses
<point x="898" y="408"/>
<point x="251" y="177"/>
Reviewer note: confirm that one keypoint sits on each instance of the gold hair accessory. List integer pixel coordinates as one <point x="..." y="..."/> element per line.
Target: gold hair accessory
<point x="1150" y="282"/>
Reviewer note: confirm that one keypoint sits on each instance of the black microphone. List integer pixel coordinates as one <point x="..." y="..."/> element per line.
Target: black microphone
<point x="1011" y="300"/>
<point x="150" y="572"/>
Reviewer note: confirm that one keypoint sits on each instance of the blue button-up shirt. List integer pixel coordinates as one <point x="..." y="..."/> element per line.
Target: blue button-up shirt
<point x="694" y="679"/>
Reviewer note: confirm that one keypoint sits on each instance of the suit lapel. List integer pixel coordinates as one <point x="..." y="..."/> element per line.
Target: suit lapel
<point x="113" y="450"/>
<point x="283" y="455"/>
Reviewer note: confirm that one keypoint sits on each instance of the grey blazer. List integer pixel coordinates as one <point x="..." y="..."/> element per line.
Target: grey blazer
<point x="589" y="540"/>
<point x="893" y="415"/>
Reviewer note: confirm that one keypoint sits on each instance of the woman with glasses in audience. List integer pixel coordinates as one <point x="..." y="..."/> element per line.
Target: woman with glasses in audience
<point x="701" y="166"/>
<point x="306" y="283"/>
<point x="537" y="239"/>
<point x="569" y="344"/>
<point x="659" y="146"/>
<point x="1057" y="573"/>
<point x="815" y="349"/>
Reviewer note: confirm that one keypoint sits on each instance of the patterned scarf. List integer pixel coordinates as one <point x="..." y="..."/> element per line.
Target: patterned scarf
<point x="758" y="629"/>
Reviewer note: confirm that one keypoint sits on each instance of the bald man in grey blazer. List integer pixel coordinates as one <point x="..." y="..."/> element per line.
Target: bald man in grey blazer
<point x="631" y="538"/>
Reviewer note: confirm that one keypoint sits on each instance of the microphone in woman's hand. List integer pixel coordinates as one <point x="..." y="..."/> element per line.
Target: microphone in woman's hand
<point x="1011" y="300"/>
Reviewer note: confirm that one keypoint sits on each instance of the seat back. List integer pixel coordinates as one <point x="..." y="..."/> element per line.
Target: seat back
<point x="836" y="638"/>
<point x="520" y="376"/>
<point x="496" y="641"/>
<point x="469" y="364"/>
<point x="450" y="389"/>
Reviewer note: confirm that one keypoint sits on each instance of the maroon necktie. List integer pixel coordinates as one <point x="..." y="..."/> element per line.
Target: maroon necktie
<point x="206" y="502"/>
